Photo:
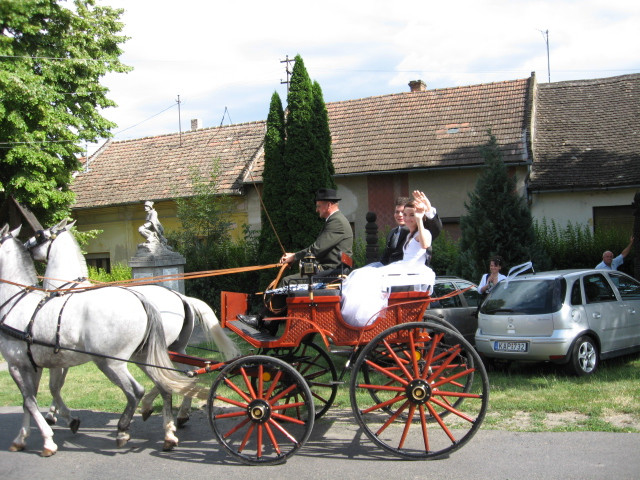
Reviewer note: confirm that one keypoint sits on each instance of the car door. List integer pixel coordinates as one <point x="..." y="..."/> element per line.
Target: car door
<point x="452" y="309"/>
<point x="629" y="291"/>
<point x="605" y="313"/>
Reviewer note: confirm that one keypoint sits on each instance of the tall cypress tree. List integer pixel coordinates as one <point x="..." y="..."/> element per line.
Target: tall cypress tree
<point x="498" y="221"/>
<point x="323" y="138"/>
<point x="274" y="192"/>
<point x="305" y="163"/>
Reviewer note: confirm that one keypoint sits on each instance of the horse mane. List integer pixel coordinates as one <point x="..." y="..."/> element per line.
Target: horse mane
<point x="25" y="264"/>
<point x="79" y="256"/>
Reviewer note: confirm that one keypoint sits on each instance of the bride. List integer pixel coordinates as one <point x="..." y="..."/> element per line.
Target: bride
<point x="366" y="290"/>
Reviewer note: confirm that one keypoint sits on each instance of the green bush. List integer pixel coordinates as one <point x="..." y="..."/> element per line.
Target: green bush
<point x="119" y="272"/>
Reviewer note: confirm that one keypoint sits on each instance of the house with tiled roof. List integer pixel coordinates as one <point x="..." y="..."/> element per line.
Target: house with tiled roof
<point x="572" y="147"/>
<point x="122" y="175"/>
<point x="383" y="147"/>
<point x="587" y="151"/>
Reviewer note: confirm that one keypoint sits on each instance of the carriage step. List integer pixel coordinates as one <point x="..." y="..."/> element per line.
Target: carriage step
<point x="254" y="333"/>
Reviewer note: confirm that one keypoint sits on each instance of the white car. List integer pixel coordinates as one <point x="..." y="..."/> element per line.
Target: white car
<point x="570" y="317"/>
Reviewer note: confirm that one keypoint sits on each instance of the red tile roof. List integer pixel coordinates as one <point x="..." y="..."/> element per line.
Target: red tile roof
<point x="587" y="134"/>
<point x="442" y="128"/>
<point x="432" y="129"/>
<point x="158" y="168"/>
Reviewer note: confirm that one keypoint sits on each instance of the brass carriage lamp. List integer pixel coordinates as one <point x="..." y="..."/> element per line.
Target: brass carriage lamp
<point x="309" y="267"/>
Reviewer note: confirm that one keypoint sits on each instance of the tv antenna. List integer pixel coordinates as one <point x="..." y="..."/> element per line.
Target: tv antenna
<point x="545" y="35"/>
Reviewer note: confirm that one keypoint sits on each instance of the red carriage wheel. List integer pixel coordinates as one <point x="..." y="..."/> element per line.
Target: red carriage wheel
<point x="317" y="368"/>
<point x="419" y="390"/>
<point x="261" y="410"/>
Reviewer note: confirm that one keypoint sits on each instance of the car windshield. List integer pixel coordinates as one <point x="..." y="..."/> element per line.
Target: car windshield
<point x="526" y="297"/>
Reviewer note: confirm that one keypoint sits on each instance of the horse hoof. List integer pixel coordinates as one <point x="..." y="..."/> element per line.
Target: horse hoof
<point x="169" y="445"/>
<point x="47" y="453"/>
<point x="74" y="425"/>
<point x="121" y="442"/>
<point x="16" y="447"/>
<point x="146" y="414"/>
<point x="51" y="420"/>
<point x="182" y="421"/>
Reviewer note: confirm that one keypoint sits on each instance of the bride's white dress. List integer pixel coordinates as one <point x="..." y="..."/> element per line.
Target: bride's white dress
<point x="366" y="290"/>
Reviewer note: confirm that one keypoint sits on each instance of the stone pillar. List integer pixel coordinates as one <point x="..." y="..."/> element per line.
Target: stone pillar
<point x="371" y="230"/>
<point x="154" y="260"/>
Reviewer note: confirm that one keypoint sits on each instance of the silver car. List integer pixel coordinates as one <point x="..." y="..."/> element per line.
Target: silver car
<point x="570" y="317"/>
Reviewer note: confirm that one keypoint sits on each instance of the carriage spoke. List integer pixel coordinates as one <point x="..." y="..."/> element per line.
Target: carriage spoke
<point x="260" y="409"/>
<point x="419" y="390"/>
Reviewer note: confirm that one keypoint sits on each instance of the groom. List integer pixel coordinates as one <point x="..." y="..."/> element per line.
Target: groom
<point x="397" y="236"/>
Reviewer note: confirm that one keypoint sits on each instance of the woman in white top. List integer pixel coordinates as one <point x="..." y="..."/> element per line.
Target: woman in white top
<point x="366" y="290"/>
<point x="489" y="280"/>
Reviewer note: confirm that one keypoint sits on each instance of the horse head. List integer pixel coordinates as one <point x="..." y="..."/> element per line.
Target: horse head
<point x="36" y="244"/>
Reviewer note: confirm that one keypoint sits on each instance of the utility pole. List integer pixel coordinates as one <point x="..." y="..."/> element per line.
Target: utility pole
<point x="545" y="35"/>
<point x="287" y="61"/>
<point x="179" y="120"/>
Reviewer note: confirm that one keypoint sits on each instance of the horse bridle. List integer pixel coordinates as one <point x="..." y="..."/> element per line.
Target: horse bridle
<point x="40" y="237"/>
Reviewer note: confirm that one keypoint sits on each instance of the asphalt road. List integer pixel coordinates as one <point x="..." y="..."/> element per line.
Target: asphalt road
<point x="335" y="450"/>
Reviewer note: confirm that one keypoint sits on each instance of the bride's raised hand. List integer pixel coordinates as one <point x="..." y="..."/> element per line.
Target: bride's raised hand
<point x="420" y="197"/>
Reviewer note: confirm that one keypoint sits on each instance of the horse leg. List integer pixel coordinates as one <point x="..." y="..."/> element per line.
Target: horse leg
<point x="170" y="439"/>
<point x="57" y="377"/>
<point x="118" y="373"/>
<point x="184" y="411"/>
<point x="27" y="382"/>
<point x="146" y="404"/>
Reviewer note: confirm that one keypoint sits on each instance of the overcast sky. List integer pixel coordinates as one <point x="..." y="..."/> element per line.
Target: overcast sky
<point x="224" y="58"/>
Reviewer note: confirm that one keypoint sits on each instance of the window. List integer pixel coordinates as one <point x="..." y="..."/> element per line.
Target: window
<point x="441" y="289"/>
<point x="628" y="288"/>
<point x="471" y="295"/>
<point x="99" y="261"/>
<point x="597" y="289"/>
<point x="576" y="294"/>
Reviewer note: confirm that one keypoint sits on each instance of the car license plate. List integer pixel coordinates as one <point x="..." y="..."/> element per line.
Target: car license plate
<point x="510" y="346"/>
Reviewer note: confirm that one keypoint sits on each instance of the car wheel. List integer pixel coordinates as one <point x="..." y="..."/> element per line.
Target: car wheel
<point x="584" y="357"/>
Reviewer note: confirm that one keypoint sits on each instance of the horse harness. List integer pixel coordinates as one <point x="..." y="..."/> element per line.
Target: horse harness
<point x="27" y="335"/>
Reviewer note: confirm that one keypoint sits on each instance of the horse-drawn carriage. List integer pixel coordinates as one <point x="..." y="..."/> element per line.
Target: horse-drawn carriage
<point x="417" y="388"/>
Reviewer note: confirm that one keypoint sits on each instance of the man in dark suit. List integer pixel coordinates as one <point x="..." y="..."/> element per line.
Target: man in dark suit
<point x="397" y="236"/>
<point x="335" y="238"/>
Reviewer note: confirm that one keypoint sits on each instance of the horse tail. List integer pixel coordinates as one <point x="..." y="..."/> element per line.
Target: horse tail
<point x="212" y="329"/>
<point x="154" y="349"/>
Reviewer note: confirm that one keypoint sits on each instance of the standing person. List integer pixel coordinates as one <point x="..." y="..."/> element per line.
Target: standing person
<point x="489" y="280"/>
<point x="610" y="263"/>
<point x="366" y="290"/>
<point x="395" y="240"/>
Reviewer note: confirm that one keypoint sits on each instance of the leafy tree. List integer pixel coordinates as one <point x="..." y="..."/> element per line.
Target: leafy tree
<point x="206" y="243"/>
<point x="498" y="219"/>
<point x="53" y="57"/>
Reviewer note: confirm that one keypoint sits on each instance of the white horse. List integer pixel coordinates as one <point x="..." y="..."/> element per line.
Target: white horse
<point x="66" y="267"/>
<point x="106" y="326"/>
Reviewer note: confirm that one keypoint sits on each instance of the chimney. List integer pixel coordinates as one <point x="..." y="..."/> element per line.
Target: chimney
<point x="196" y="124"/>
<point x="417" y="86"/>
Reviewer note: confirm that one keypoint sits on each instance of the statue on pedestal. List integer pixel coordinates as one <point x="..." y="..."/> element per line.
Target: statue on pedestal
<point x="152" y="230"/>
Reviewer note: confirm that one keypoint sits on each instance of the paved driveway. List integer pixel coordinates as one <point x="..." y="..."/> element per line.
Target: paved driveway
<point x="335" y="450"/>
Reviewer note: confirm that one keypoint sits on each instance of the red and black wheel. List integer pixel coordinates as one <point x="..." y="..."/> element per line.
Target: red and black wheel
<point x="317" y="368"/>
<point x="419" y="390"/>
<point x="261" y="410"/>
